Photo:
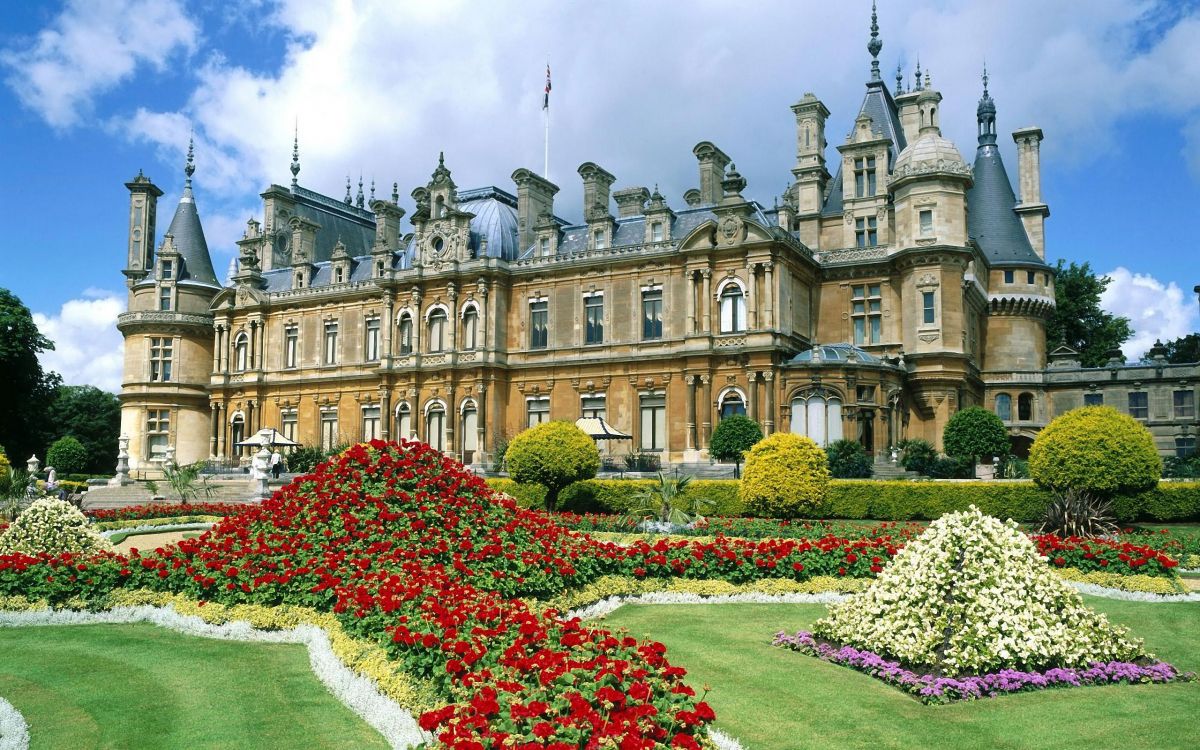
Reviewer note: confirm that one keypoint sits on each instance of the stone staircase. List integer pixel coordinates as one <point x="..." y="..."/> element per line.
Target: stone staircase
<point x="234" y="490"/>
<point x="891" y="471"/>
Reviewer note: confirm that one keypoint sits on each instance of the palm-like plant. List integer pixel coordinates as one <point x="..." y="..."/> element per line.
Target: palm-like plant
<point x="186" y="483"/>
<point x="657" y="502"/>
<point x="16" y="487"/>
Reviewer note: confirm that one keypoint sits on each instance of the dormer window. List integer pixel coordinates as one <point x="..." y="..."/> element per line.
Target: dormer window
<point x="864" y="177"/>
<point x="164" y="298"/>
<point x="598" y="239"/>
<point x="544" y="247"/>
<point x="300" y="280"/>
<point x="338" y="276"/>
<point x="656" y="232"/>
<point x="168" y="270"/>
<point x="378" y="268"/>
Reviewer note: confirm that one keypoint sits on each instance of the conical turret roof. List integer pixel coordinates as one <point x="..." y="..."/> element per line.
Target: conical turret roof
<point x="188" y="235"/>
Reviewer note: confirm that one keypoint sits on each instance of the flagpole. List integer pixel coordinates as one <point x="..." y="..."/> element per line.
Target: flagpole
<point x="546" y="166"/>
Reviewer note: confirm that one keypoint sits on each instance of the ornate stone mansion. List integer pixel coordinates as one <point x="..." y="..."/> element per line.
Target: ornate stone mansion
<point x="892" y="284"/>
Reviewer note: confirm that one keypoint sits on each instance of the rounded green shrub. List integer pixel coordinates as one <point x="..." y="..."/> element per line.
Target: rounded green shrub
<point x="552" y="454"/>
<point x="918" y="455"/>
<point x="1098" y="449"/>
<point x="848" y="460"/>
<point x="974" y="433"/>
<point x="786" y="476"/>
<point x="52" y="526"/>
<point x="733" y="436"/>
<point x="67" y="455"/>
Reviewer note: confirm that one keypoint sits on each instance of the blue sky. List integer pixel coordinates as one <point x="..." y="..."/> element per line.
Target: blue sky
<point x="93" y="90"/>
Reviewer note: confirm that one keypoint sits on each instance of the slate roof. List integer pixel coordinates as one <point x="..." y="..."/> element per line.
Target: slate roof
<point x="885" y="122"/>
<point x="354" y="226"/>
<point x="189" y="241"/>
<point x="991" y="220"/>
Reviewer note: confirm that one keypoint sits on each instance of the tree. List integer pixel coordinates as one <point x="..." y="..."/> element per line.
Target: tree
<point x="974" y="433"/>
<point x="1184" y="350"/>
<point x="67" y="455"/>
<point x="1078" y="321"/>
<point x="554" y="455"/>
<point x="28" y="390"/>
<point x="786" y="477"/>
<point x="91" y="416"/>
<point x="1096" y="449"/>
<point x="734" y="435"/>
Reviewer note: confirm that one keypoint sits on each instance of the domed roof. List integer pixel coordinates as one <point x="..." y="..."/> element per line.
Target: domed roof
<point x="930" y="153"/>
<point x="835" y="353"/>
<point x="495" y="221"/>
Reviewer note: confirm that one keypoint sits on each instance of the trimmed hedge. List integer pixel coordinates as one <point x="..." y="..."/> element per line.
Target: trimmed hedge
<point x="874" y="499"/>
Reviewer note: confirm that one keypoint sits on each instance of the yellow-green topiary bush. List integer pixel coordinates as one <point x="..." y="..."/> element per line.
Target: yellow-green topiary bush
<point x="53" y="526"/>
<point x="552" y="454"/>
<point x="1097" y="449"/>
<point x="786" y="476"/>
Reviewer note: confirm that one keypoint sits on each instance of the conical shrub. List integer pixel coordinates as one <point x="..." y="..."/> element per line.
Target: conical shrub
<point x="972" y="595"/>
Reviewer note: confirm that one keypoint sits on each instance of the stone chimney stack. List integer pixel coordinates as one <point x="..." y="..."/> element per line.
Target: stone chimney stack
<point x="1031" y="209"/>
<point x="631" y="201"/>
<point x="712" y="170"/>
<point x="597" y="184"/>
<point x="535" y="197"/>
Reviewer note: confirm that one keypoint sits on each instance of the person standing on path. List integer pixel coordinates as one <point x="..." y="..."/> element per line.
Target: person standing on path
<point x="276" y="463"/>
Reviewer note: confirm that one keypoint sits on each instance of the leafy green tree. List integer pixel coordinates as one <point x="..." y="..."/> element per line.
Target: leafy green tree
<point x="848" y="460"/>
<point x="1096" y="449"/>
<point x="974" y="433"/>
<point x="1184" y="350"/>
<point x="787" y="476"/>
<point x="28" y="390"/>
<point x="67" y="455"/>
<point x="734" y="435"/>
<point x="554" y="455"/>
<point x="1078" y="321"/>
<point x="91" y="416"/>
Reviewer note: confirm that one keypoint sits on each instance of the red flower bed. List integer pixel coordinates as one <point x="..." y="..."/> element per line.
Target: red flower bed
<point x="1112" y="556"/>
<point x="167" y="510"/>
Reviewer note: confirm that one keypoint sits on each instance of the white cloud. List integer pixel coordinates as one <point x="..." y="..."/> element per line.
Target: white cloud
<point x="89" y="48"/>
<point x="1156" y="311"/>
<point x="88" y="348"/>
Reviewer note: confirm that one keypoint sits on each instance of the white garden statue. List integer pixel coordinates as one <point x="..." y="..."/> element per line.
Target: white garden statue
<point x="260" y="469"/>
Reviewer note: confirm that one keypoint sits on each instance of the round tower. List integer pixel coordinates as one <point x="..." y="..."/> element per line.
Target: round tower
<point x="168" y="332"/>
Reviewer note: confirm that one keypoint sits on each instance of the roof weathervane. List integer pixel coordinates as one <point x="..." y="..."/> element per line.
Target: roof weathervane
<point x="874" y="46"/>
<point x="295" y="152"/>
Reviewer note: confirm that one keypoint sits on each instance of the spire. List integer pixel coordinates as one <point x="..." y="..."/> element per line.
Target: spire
<point x="985" y="114"/>
<point x="358" y="200"/>
<point x="348" y="200"/>
<point x="295" y="153"/>
<point x="186" y="232"/>
<point x="874" y="46"/>
<point x="899" y="80"/>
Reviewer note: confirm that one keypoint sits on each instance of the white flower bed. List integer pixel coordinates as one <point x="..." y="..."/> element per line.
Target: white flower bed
<point x="613" y="603"/>
<point x="1131" y="596"/>
<point x="162" y="529"/>
<point x="54" y="526"/>
<point x="14" y="732"/>
<point x="972" y="595"/>
<point x="395" y="723"/>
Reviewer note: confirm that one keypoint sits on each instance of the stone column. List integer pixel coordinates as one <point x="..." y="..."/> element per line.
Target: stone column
<point x="385" y="414"/>
<point x="480" y="421"/>
<point x="387" y="325"/>
<point x="451" y="447"/>
<point x="690" y="275"/>
<point x="452" y="319"/>
<point x="216" y="426"/>
<point x="769" y="418"/>
<point x="752" y="302"/>
<point x="769" y="294"/>
<point x="752" y="394"/>
<point x="707" y="409"/>
<point x="706" y="308"/>
<point x="690" y="405"/>
<point x="222" y="411"/>
<point x="262" y="345"/>
<point x="216" y="365"/>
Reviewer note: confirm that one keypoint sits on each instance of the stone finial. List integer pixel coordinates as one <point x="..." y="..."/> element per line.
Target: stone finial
<point x="295" y="154"/>
<point x="917" y="75"/>
<point x="348" y="200"/>
<point x="899" y="80"/>
<point x="395" y="192"/>
<point x="190" y="167"/>
<point x="875" y="45"/>
<point x="358" y="199"/>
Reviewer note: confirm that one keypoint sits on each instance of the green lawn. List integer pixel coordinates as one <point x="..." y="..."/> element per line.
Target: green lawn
<point x="141" y="686"/>
<point x="772" y="699"/>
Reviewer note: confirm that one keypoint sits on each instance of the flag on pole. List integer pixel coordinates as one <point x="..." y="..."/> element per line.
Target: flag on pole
<point x="546" y="97"/>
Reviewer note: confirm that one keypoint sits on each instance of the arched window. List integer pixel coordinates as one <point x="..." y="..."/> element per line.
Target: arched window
<point x="732" y="402"/>
<point x="437" y="330"/>
<point x="469" y="427"/>
<point x="817" y="416"/>
<point x="237" y="433"/>
<point x="241" y="352"/>
<point x="470" y="328"/>
<point x="1004" y="407"/>
<point x="733" y="309"/>
<point x="406" y="331"/>
<point x="435" y="426"/>
<point x="403" y="421"/>
<point x="1025" y="407"/>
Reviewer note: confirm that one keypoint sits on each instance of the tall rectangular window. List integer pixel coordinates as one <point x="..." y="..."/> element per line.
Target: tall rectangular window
<point x="288" y="421"/>
<point x="593" y="313"/>
<point x="1139" y="405"/>
<point x="329" y="428"/>
<point x="371" y="344"/>
<point x="331" y="338"/>
<point x="291" y="345"/>
<point x="652" y="313"/>
<point x="598" y="239"/>
<point x="160" y="359"/>
<point x="168" y="270"/>
<point x="470" y="329"/>
<point x="864" y="177"/>
<point x="1030" y="277"/>
<point x="371" y="423"/>
<point x="158" y="432"/>
<point x="538" y="331"/>
<point x="594" y="407"/>
<point x="654" y="422"/>
<point x="1093" y="399"/>
<point x="656" y="232"/>
<point x="1185" y="447"/>
<point x="544" y="245"/>
<point x="866" y="313"/>
<point x="1185" y="404"/>
<point x="928" y="311"/>
<point x="537" y="410"/>
<point x="164" y="298"/>
<point x="866" y="232"/>
<point x="925" y="218"/>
